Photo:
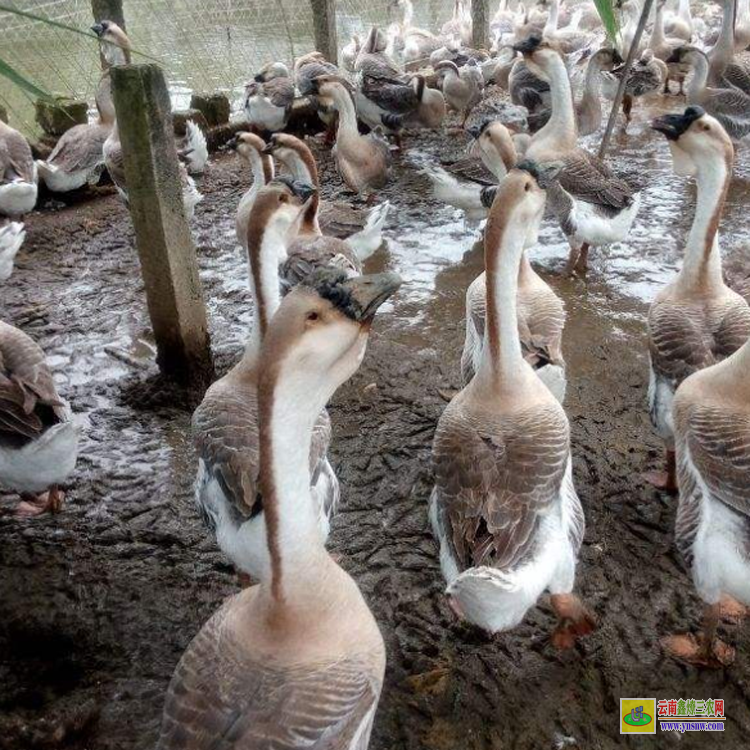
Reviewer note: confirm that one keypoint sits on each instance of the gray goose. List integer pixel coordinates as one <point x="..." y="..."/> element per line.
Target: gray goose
<point x="38" y="438"/>
<point x="298" y="661"/>
<point x="18" y="173"/>
<point x="696" y="320"/>
<point x="226" y="424"/>
<point x="712" y="437"/>
<point x="727" y="68"/>
<point x="504" y="508"/>
<point x="269" y="98"/>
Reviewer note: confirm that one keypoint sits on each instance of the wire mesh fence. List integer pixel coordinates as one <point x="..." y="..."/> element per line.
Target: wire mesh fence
<point x="203" y="45"/>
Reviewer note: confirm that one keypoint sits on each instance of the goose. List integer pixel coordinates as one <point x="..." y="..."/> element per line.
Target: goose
<point x="251" y="149"/>
<point x="114" y="43"/>
<point x="504" y="508"/>
<point x="696" y="320"/>
<point x="468" y="183"/>
<point x="679" y="24"/>
<point x="77" y="159"/>
<point x="429" y="112"/>
<point x="373" y="59"/>
<point x="269" y="97"/>
<point x="712" y="439"/>
<point x="418" y="43"/>
<point x="193" y="149"/>
<point x="663" y="48"/>
<point x="350" y="52"/>
<point x="592" y="205"/>
<point x="462" y="88"/>
<point x="541" y="319"/>
<point x="12" y="235"/>
<point x="297" y="661"/>
<point x="570" y="38"/>
<point x="729" y="105"/>
<point x="362" y="230"/>
<point x="18" y="173"/>
<point x="460" y="25"/>
<point x="225" y="424"/>
<point x="38" y="438"/>
<point x="385" y="102"/>
<point x="363" y="161"/>
<point x="728" y="69"/>
<point x="647" y="75"/>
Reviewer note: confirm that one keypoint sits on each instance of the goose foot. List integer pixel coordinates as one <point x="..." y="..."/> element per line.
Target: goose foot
<point x="578" y="260"/>
<point x="731" y="611"/>
<point x="35" y="505"/>
<point x="700" y="651"/>
<point x="666" y="481"/>
<point x="576" y="620"/>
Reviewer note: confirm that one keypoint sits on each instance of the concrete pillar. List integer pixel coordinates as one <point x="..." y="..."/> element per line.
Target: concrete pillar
<point x="324" y="23"/>
<point x="165" y="245"/>
<point x="480" y="23"/>
<point x="108" y="10"/>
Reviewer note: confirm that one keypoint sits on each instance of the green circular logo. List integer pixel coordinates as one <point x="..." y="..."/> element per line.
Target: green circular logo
<point x="642" y="721"/>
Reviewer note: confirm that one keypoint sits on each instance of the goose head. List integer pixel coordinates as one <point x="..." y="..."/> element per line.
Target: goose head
<point x="320" y="331"/>
<point x="270" y="71"/>
<point x="328" y="86"/>
<point x="539" y="54"/>
<point x="695" y="138"/>
<point x="294" y="154"/>
<point x="494" y="142"/>
<point x="377" y="41"/>
<point x="249" y="146"/>
<point x="114" y="42"/>
<point x="687" y="55"/>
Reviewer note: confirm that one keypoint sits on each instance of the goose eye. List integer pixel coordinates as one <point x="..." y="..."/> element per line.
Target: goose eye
<point x="283" y="198"/>
<point x="527" y="187"/>
<point x="312" y="316"/>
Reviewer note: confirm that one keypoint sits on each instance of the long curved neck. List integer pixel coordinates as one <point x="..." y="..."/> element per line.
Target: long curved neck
<point x="264" y="249"/>
<point x="104" y="103"/>
<point x="561" y="129"/>
<point x="683" y="11"/>
<point x="702" y="264"/>
<point x="309" y="221"/>
<point x="261" y="166"/>
<point x="698" y="83"/>
<point x="288" y="412"/>
<point x="590" y="101"/>
<point x="720" y="55"/>
<point x="301" y="163"/>
<point x="552" y="19"/>
<point x="408" y="15"/>
<point x="502" y="358"/>
<point x="657" y="34"/>
<point x="347" y="113"/>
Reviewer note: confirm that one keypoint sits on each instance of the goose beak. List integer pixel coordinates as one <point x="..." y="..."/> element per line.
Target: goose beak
<point x="474" y="131"/>
<point x="673" y="126"/>
<point x="528" y="45"/>
<point x="258" y="78"/>
<point x="232" y="143"/>
<point x="369" y="292"/>
<point x="269" y="148"/>
<point x="302" y="190"/>
<point x="98" y="29"/>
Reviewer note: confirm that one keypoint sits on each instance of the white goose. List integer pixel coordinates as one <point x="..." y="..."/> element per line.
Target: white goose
<point x="504" y="507"/>
<point x="226" y="424"/>
<point x="38" y="439"/>
<point x="18" y="173"/>
<point x="298" y="661"/>
<point x="12" y="235"/>
<point x="697" y="320"/>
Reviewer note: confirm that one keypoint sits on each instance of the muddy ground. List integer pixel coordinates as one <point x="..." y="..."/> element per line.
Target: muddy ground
<point x="98" y="603"/>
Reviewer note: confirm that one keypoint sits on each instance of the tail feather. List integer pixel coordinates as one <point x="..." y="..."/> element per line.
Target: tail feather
<point x="12" y="236"/>
<point x="393" y="122"/>
<point x="446" y="188"/>
<point x="45" y="168"/>
<point x="196" y="151"/>
<point x="370" y="238"/>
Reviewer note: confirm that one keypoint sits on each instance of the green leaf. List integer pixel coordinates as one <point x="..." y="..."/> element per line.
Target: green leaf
<point x="606" y="11"/>
<point x="9" y="72"/>
<point x="57" y="25"/>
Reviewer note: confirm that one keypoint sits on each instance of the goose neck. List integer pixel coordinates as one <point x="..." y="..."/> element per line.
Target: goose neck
<point x="702" y="264"/>
<point x="303" y="167"/>
<point x="552" y="19"/>
<point x="657" y="34"/>
<point x="347" y="114"/>
<point x="561" y="130"/>
<point x="694" y="90"/>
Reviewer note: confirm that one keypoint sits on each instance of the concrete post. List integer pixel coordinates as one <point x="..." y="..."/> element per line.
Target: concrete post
<point x="108" y="10"/>
<point x="324" y="23"/>
<point x="165" y="246"/>
<point x="480" y="24"/>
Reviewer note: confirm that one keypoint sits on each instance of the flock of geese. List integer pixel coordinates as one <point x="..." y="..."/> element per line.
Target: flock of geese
<point x="297" y="660"/>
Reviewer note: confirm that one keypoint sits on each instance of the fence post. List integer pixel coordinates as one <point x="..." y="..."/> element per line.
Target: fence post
<point x="108" y="10"/>
<point x="165" y="245"/>
<point x="324" y="23"/>
<point x="480" y="24"/>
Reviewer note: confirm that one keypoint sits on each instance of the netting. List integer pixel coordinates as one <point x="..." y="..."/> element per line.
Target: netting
<point x="203" y="45"/>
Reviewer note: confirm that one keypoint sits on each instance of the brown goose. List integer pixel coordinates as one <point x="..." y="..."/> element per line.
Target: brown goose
<point x="697" y="320"/>
<point x="362" y="230"/>
<point x="712" y="434"/>
<point x="504" y="507"/>
<point x="18" y="173"/>
<point x="729" y="67"/>
<point x="298" y="661"/>
<point x="373" y="60"/>
<point x="225" y="425"/>
<point x="38" y="439"/>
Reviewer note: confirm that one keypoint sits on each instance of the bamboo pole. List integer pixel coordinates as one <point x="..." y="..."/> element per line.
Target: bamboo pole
<point x="624" y="80"/>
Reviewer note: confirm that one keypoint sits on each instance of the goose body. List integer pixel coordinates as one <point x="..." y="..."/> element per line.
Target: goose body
<point x="373" y="59"/>
<point x="385" y="102"/>
<point x="663" y="47"/>
<point x="12" y="235"/>
<point x="504" y="507"/>
<point x="18" y="173"/>
<point x="418" y="43"/>
<point x="362" y="230"/>
<point x="647" y="75"/>
<point x="38" y="438"/>
<point x="729" y="63"/>
<point x="462" y="88"/>
<point x="429" y="111"/>
<point x="78" y="157"/>
<point x="696" y="320"/>
<point x="226" y="424"/>
<point x="269" y="98"/>
<point x="593" y="206"/>
<point x="297" y="661"/>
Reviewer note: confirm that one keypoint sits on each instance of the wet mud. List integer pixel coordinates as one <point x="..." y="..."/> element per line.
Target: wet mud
<point x="98" y="603"/>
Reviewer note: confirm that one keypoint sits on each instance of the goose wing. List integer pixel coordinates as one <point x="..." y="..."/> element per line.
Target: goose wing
<point x="280" y="91"/>
<point x="16" y="160"/>
<point x="588" y="179"/>
<point x="306" y="254"/>
<point x="80" y="148"/>
<point x="731" y="107"/>
<point x="29" y="402"/>
<point x="389" y="94"/>
<point x="471" y="169"/>
<point x="496" y="481"/>
<point x="220" y="698"/>
<point x="738" y="76"/>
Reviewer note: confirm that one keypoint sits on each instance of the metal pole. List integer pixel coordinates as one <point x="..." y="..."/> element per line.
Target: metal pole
<point x="624" y="80"/>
